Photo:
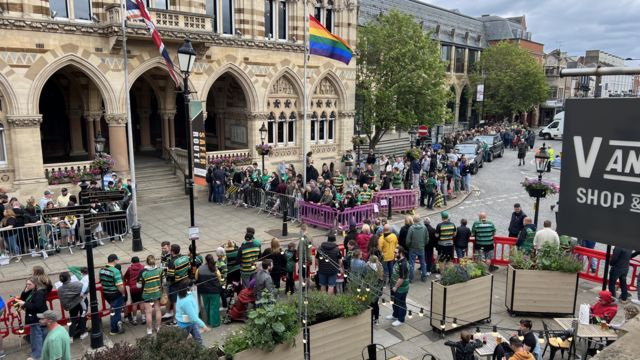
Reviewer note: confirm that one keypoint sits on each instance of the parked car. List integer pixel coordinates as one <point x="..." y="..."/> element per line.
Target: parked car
<point x="496" y="146"/>
<point x="472" y="150"/>
<point x="555" y="129"/>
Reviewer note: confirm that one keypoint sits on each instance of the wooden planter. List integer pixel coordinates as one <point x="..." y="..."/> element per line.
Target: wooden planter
<point x="469" y="302"/>
<point x="542" y="292"/>
<point x="342" y="339"/>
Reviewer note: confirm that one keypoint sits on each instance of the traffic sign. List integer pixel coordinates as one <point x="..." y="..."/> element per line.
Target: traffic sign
<point x="423" y="130"/>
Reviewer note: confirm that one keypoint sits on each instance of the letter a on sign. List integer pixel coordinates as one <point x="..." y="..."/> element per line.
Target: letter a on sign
<point x="585" y="166"/>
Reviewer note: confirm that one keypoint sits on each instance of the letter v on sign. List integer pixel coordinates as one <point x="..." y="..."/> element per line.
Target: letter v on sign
<point x="585" y="165"/>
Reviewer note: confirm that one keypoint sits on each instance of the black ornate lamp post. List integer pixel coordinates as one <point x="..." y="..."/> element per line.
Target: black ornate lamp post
<point x="542" y="161"/>
<point x="263" y="135"/>
<point x="100" y="140"/>
<point x="186" y="59"/>
<point x="412" y="136"/>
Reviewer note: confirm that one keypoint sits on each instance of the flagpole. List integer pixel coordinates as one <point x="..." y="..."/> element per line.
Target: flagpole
<point x="305" y="95"/>
<point x="132" y="163"/>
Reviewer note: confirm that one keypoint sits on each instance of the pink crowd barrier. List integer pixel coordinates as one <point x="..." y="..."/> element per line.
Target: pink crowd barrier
<point x="401" y="200"/>
<point x="317" y="215"/>
<point x="355" y="214"/>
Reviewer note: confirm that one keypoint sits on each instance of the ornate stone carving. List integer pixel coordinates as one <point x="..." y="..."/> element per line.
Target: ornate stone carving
<point x="168" y="115"/>
<point x="258" y="116"/>
<point x="24" y="121"/>
<point x="347" y="114"/>
<point x="93" y="115"/>
<point x="116" y="119"/>
<point x="285" y="151"/>
<point x="283" y="86"/>
<point x="321" y="149"/>
<point x="326" y="88"/>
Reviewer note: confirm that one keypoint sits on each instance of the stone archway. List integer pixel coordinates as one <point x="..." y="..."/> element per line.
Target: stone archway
<point x="464" y="109"/>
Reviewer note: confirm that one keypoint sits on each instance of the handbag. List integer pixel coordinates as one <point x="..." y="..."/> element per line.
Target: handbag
<point x="164" y="297"/>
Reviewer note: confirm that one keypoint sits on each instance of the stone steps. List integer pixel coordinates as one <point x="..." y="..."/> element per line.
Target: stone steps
<point x="157" y="183"/>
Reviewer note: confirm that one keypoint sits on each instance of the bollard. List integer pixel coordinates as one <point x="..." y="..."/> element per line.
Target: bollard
<point x="136" y="244"/>
<point x="389" y="204"/>
<point x="285" y="231"/>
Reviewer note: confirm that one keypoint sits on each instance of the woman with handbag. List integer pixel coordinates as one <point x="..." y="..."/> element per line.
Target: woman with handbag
<point x="151" y="280"/>
<point x="33" y="301"/>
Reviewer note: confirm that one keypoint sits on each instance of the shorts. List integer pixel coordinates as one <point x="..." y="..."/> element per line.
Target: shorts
<point x="173" y="294"/>
<point x="327" y="279"/>
<point x="485" y="254"/>
<point x="445" y="253"/>
<point x="136" y="297"/>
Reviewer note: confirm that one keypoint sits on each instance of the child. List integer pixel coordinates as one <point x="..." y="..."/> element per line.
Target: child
<point x="291" y="256"/>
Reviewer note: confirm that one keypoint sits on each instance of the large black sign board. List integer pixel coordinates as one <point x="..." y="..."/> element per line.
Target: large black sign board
<point x="600" y="179"/>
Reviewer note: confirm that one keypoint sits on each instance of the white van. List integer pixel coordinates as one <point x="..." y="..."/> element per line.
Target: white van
<point x="555" y="129"/>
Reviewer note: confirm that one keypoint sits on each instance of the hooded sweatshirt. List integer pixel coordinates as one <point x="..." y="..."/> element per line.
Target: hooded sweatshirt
<point x="608" y="310"/>
<point x="417" y="237"/>
<point x="70" y="294"/>
<point x="465" y="351"/>
<point x="387" y="244"/>
<point x="131" y="277"/>
<point x="522" y="355"/>
<point x="330" y="250"/>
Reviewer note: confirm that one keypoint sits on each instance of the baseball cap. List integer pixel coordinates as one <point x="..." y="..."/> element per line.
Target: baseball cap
<point x="49" y="315"/>
<point x="48" y="192"/>
<point x="112" y="257"/>
<point x="64" y="190"/>
<point x="444" y="214"/>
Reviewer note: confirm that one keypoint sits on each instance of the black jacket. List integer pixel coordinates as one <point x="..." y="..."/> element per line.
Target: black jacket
<point x="330" y="250"/>
<point x="279" y="261"/>
<point x="463" y="234"/>
<point x="432" y="237"/>
<point x="464" y="351"/>
<point x="34" y="304"/>
<point x="517" y="222"/>
<point x="620" y="258"/>
<point x="402" y="238"/>
<point x="351" y="235"/>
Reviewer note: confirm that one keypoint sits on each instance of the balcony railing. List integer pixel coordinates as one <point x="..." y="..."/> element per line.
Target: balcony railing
<point x="70" y="172"/>
<point x="167" y="19"/>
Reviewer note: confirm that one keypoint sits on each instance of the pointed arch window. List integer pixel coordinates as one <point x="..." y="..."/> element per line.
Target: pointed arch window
<point x="271" y="129"/>
<point x="322" y="127"/>
<point x="314" y="126"/>
<point x="282" y="123"/>
<point x="331" y="126"/>
<point x="291" y="129"/>
<point x="328" y="16"/>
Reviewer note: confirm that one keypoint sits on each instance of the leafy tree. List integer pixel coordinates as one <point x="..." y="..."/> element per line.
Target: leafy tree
<point x="514" y="81"/>
<point x="400" y="77"/>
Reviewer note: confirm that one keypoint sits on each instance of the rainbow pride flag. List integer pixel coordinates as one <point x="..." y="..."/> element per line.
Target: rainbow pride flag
<point x="324" y="43"/>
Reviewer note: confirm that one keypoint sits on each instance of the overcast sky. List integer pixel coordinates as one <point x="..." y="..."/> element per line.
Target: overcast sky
<point x="572" y="25"/>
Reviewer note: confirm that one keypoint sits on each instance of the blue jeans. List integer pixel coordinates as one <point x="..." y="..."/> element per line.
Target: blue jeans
<point x="14" y="248"/>
<point x="412" y="263"/>
<point x="218" y="192"/>
<point x="399" y="305"/>
<point x="619" y="274"/>
<point x="211" y="196"/>
<point x="194" y="331"/>
<point x="116" y="309"/>
<point x="460" y="252"/>
<point x="387" y="266"/>
<point x="467" y="182"/>
<point x="36" y="337"/>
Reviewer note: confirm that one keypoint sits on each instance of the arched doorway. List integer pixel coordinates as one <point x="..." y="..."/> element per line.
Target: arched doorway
<point x="71" y="108"/>
<point x="227" y="109"/>
<point x="453" y="97"/>
<point x="463" y="110"/>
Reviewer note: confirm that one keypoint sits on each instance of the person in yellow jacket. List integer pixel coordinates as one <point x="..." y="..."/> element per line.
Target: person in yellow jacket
<point x="387" y="244"/>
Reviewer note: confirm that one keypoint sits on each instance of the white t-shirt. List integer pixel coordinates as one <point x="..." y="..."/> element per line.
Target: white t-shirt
<point x="546" y="235"/>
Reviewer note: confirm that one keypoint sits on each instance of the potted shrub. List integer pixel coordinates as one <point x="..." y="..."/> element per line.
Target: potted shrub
<point x="330" y="317"/>
<point x="545" y="282"/>
<point x="463" y="293"/>
<point x="539" y="188"/>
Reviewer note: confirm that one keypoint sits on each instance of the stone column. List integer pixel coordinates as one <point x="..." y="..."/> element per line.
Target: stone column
<point x="118" y="141"/>
<point x="456" y="113"/>
<point x="75" y="130"/>
<point x="93" y="121"/>
<point x="145" y="131"/>
<point x="166" y="144"/>
<point x="172" y="130"/>
<point x="24" y="131"/>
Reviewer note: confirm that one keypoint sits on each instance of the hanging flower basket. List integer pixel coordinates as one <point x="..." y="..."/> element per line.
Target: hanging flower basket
<point x="265" y="149"/>
<point x="540" y="188"/>
<point x="105" y="162"/>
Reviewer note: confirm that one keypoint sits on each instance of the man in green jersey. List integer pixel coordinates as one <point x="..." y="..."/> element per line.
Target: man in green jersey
<point x="113" y="291"/>
<point x="484" y="230"/>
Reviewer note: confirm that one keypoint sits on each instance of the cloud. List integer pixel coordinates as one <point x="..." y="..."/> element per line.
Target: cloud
<point x="572" y="25"/>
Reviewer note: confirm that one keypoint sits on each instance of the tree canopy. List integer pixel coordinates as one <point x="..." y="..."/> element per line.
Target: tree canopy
<point x="513" y="81"/>
<point x="400" y="77"/>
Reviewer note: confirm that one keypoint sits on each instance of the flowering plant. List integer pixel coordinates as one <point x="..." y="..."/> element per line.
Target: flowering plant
<point x="264" y="149"/>
<point x="104" y="162"/>
<point x="228" y="161"/>
<point x="538" y="185"/>
<point x="358" y="140"/>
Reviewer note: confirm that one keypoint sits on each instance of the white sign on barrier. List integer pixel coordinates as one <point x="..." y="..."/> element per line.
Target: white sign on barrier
<point x="375" y="208"/>
<point x="383" y="202"/>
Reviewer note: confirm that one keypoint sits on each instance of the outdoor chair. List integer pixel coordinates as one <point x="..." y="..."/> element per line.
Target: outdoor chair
<point x="554" y="342"/>
<point x="371" y="351"/>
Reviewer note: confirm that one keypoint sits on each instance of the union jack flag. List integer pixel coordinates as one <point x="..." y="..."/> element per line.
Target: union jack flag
<point x="137" y="11"/>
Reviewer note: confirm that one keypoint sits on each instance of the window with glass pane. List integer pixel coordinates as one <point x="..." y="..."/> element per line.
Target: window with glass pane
<point x="314" y="126"/>
<point x="271" y="128"/>
<point x="82" y="9"/>
<point x="282" y="20"/>
<point x="212" y="10"/>
<point x="446" y="56"/>
<point x="329" y="16"/>
<point x="282" y="119"/>
<point x="227" y="17"/>
<point x="162" y="4"/>
<point x="268" y="19"/>
<point x="3" y="155"/>
<point x="473" y="59"/>
<point x="459" y="60"/>
<point x="60" y="7"/>
<point x="332" y="121"/>
<point x="291" y="129"/>
<point x="318" y="14"/>
<point x="322" y="135"/>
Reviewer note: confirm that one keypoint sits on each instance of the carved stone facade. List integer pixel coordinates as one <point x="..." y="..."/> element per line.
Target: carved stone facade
<point x="242" y="79"/>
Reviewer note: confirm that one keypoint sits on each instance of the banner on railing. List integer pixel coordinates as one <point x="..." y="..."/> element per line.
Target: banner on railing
<point x="199" y="142"/>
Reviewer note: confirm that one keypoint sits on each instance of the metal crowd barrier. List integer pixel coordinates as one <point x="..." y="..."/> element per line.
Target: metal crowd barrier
<point x="31" y="239"/>
<point x="275" y="204"/>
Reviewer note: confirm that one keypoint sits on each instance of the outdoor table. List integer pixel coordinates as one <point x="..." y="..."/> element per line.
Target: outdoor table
<point x="586" y="331"/>
<point x="487" y="349"/>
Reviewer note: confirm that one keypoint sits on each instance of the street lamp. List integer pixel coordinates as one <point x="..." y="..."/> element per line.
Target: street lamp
<point x="263" y="135"/>
<point x="542" y="161"/>
<point x="100" y="140"/>
<point x="186" y="59"/>
<point x="358" y="130"/>
<point x="412" y="136"/>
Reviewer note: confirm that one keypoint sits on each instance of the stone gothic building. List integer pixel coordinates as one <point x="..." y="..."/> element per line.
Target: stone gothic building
<point x="62" y="82"/>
